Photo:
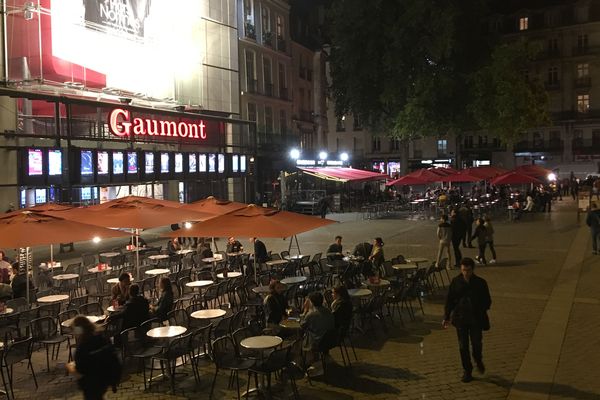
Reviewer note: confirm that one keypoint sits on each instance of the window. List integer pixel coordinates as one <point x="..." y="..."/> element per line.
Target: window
<point x="583" y="103"/>
<point x="394" y="144"/>
<point x="468" y="142"/>
<point x="357" y="123"/>
<point x="266" y="19"/>
<point x="376" y="144"/>
<point x="268" y="120"/>
<point x="267" y="77"/>
<point x="282" y="122"/>
<point x="483" y="141"/>
<point x="551" y="18"/>
<point x="577" y="138"/>
<point x="442" y="146"/>
<point x="555" y="139"/>
<point x="553" y="46"/>
<point x="340" y="125"/>
<point x="282" y="82"/>
<point x="538" y="139"/>
<point x="249" y="28"/>
<point x="302" y="69"/>
<point x="553" y="76"/>
<point x="250" y="72"/>
<point x="596" y="138"/>
<point x="582" y="43"/>
<point x="582" y="13"/>
<point x="279" y="26"/>
<point x="523" y="23"/>
<point x="583" y="70"/>
<point x="252" y="112"/>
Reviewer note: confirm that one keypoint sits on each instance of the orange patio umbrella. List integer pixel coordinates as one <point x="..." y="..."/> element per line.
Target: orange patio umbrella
<point x="485" y="172"/>
<point x="214" y="206"/>
<point x="514" y="178"/>
<point x="533" y="170"/>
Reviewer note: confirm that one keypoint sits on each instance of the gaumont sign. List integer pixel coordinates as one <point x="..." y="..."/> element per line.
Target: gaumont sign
<point x="122" y="124"/>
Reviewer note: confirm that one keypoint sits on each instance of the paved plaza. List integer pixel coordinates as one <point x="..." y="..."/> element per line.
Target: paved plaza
<point x="543" y="343"/>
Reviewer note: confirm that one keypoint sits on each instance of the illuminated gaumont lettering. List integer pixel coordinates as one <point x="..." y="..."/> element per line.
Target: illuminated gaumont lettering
<point x="121" y="124"/>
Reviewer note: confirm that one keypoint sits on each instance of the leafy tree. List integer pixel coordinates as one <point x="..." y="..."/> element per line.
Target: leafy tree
<point x="506" y="100"/>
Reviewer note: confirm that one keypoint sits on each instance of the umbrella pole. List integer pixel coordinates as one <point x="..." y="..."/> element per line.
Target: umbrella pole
<point x="27" y="273"/>
<point x="137" y="254"/>
<point x="51" y="254"/>
<point x="297" y="244"/>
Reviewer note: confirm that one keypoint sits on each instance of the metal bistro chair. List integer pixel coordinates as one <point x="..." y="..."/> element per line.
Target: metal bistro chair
<point x="45" y="332"/>
<point x="14" y="353"/>
<point x="225" y="357"/>
<point x="177" y="348"/>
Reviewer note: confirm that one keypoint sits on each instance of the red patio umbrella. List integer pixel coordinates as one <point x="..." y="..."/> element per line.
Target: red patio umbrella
<point x="485" y="172"/>
<point x="461" y="177"/>
<point x="214" y="206"/>
<point x="407" y="180"/>
<point x="443" y="171"/>
<point x="514" y="178"/>
<point x="533" y="170"/>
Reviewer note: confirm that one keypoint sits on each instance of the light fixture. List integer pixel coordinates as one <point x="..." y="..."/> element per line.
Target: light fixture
<point x="323" y="155"/>
<point x="344" y="156"/>
<point x="294" y="154"/>
<point x="125" y="100"/>
<point x="96" y="239"/>
<point x="343" y="117"/>
<point x="187" y="225"/>
<point x="551" y="176"/>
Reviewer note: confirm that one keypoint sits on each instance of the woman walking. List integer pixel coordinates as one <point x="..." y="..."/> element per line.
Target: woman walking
<point x="489" y="229"/>
<point x="444" y="235"/>
<point x="481" y="235"/>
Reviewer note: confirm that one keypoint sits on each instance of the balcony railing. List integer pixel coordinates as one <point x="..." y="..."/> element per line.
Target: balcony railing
<point x="267" y="38"/>
<point x="252" y="86"/>
<point x="281" y="44"/>
<point x="268" y="89"/>
<point x="584" y="81"/>
<point x="250" y="31"/>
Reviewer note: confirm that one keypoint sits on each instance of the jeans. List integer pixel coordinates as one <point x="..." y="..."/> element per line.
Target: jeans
<point x="457" y="253"/>
<point x="491" y="244"/>
<point x="482" y="253"/>
<point x="444" y="247"/>
<point x="473" y="333"/>
<point x="468" y="237"/>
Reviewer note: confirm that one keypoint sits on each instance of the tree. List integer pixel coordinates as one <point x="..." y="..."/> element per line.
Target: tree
<point x="507" y="101"/>
<point x="404" y="66"/>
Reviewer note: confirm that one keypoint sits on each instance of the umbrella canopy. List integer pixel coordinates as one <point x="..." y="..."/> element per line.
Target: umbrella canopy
<point x="485" y="172"/>
<point x="214" y="206"/>
<point x="344" y="174"/>
<point x="461" y="177"/>
<point x="255" y="221"/>
<point x="533" y="170"/>
<point x="514" y="178"/>
<point x="133" y="214"/>
<point x="136" y="200"/>
<point x="43" y="208"/>
<point x="407" y="180"/>
<point x="443" y="171"/>
<point x="28" y="229"/>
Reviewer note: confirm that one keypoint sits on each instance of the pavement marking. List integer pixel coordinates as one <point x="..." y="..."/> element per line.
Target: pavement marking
<point x="535" y="378"/>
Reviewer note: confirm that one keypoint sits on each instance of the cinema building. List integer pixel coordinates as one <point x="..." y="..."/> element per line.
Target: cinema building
<point x="106" y="98"/>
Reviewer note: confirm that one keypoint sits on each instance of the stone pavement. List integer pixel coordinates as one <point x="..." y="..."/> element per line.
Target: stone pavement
<point x="542" y="293"/>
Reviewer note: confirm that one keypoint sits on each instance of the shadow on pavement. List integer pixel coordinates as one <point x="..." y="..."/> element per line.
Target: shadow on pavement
<point x="543" y="387"/>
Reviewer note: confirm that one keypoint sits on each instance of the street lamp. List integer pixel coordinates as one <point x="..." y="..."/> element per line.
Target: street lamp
<point x="323" y="155"/>
<point x="344" y="156"/>
<point x="295" y="154"/>
<point x="552" y="176"/>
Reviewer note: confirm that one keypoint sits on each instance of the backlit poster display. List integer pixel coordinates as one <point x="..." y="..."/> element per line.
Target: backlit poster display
<point x="35" y="162"/>
<point x="235" y="163"/>
<point x="164" y="163"/>
<point x="117" y="162"/>
<point x="202" y="163"/>
<point x="192" y="162"/>
<point x="149" y="168"/>
<point x="87" y="166"/>
<point x="178" y="163"/>
<point x="221" y="162"/>
<point x="103" y="163"/>
<point x="132" y="164"/>
<point x="212" y="158"/>
<point x="54" y="162"/>
<point x="242" y="163"/>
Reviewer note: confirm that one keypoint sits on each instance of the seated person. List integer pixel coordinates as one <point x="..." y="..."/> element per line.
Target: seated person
<point x="136" y="310"/>
<point x="342" y="308"/>
<point x="165" y="301"/>
<point x="140" y="240"/>
<point x="4" y="257"/>
<point x="363" y="250"/>
<point x="173" y="246"/>
<point x="205" y="251"/>
<point x="275" y="305"/>
<point x="334" y="252"/>
<point x="530" y="204"/>
<point x="120" y="291"/>
<point x="234" y="246"/>
<point x="316" y="320"/>
<point x="260" y="251"/>
<point x="19" y="282"/>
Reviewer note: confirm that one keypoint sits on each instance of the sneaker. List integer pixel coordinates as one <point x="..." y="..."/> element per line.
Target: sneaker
<point x="493" y="261"/>
<point x="480" y="367"/>
<point x="467" y="377"/>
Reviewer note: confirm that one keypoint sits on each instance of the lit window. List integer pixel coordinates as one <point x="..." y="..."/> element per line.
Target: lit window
<point x="583" y="70"/>
<point x="523" y="23"/>
<point x="583" y="103"/>
<point x="442" y="146"/>
<point x="340" y="125"/>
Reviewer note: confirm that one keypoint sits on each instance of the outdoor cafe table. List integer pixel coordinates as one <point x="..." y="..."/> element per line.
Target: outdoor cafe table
<point x="212" y="259"/>
<point x="290" y="323"/>
<point x="7" y="311"/>
<point x="183" y="252"/>
<point x="163" y="332"/>
<point x="417" y="260"/>
<point x="95" y="270"/>
<point x="199" y="284"/>
<point x="262" y="290"/>
<point x="236" y="254"/>
<point x="383" y="283"/>
<point x="292" y="280"/>
<point x="158" y="271"/>
<point x="109" y="254"/>
<point x="294" y="258"/>
<point x="111" y="309"/>
<point x="116" y="280"/>
<point x="263" y="342"/>
<point x="92" y="318"/>
<point x="210" y="313"/>
<point x="156" y="257"/>
<point x="230" y="274"/>
<point x="65" y="277"/>
<point x="360" y="292"/>
<point x="276" y="263"/>
<point x="405" y="267"/>
<point x="55" y="298"/>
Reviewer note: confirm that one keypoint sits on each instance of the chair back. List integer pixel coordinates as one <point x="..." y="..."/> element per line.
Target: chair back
<point x="17" y="351"/>
<point x="284" y="254"/>
<point x="179" y="347"/>
<point x="222" y="348"/>
<point x="19" y="304"/>
<point x="316" y="257"/>
<point x="49" y="310"/>
<point x="275" y="256"/>
<point x="178" y="317"/>
<point x="200" y="341"/>
<point x="64" y="316"/>
<point x="91" y="309"/>
<point x="76" y="302"/>
<point x="112" y="327"/>
<point x="43" y="328"/>
<point x="222" y="328"/>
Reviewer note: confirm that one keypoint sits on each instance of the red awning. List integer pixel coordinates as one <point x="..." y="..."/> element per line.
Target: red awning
<point x="344" y="174"/>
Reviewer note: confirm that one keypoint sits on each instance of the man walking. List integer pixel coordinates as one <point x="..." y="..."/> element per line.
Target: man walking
<point x="466" y="308"/>
<point x="593" y="221"/>
<point x="458" y="232"/>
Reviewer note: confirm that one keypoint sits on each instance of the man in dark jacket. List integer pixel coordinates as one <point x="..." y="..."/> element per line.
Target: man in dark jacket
<point x="458" y="232"/>
<point x="136" y="309"/>
<point x="593" y="221"/>
<point x="260" y="251"/>
<point x="466" y="308"/>
<point x="334" y="251"/>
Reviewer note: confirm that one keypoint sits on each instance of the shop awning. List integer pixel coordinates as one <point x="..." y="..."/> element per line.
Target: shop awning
<point x="344" y="174"/>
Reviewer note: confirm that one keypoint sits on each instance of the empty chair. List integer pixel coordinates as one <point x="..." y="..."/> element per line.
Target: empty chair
<point x="13" y="354"/>
<point x="44" y="331"/>
<point x="225" y="357"/>
<point x="91" y="309"/>
<point x="177" y="348"/>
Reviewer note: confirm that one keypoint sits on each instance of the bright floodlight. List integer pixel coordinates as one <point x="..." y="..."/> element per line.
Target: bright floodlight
<point x="96" y="239"/>
<point x="187" y="225"/>
<point x="344" y="156"/>
<point x="295" y="154"/>
<point x="323" y="155"/>
<point x="552" y="176"/>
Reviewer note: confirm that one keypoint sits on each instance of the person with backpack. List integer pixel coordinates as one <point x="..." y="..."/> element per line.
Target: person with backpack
<point x="593" y="221"/>
<point x="96" y="361"/>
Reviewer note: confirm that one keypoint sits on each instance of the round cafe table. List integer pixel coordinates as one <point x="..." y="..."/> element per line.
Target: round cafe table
<point x="293" y="280"/>
<point x="211" y="313"/>
<point x="290" y="323"/>
<point x="262" y="290"/>
<point x="360" y="292"/>
<point x="7" y="311"/>
<point x="109" y="254"/>
<point x="237" y="254"/>
<point x="65" y="277"/>
<point x="405" y="267"/>
<point x="199" y="284"/>
<point x="116" y="280"/>
<point x="184" y="252"/>
<point x="294" y="258"/>
<point x="157" y="257"/>
<point x="157" y="271"/>
<point x="92" y="318"/>
<point x="263" y="342"/>
<point x="55" y="298"/>
<point x="230" y="274"/>
<point x="53" y="265"/>
<point x="209" y="260"/>
<point x="276" y="263"/>
<point x="382" y="284"/>
<point x="416" y="260"/>
<point x="112" y="309"/>
<point x="166" y="331"/>
<point x="95" y="270"/>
